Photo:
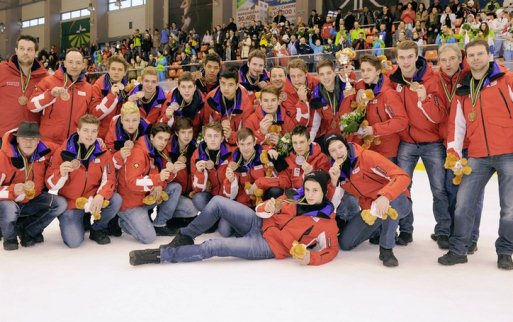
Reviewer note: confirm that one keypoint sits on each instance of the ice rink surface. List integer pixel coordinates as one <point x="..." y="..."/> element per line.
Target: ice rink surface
<point x="50" y="282"/>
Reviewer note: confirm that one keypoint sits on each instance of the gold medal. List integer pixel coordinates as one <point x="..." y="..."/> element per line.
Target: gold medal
<point x="169" y="166"/>
<point x="65" y="96"/>
<point x="22" y="100"/>
<point x="210" y="165"/>
<point x="29" y="185"/>
<point x="233" y="165"/>
<point x="128" y="144"/>
<point x="182" y="159"/>
<point x="75" y="164"/>
<point x="472" y="116"/>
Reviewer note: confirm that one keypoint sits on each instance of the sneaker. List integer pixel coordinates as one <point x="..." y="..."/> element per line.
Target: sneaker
<point x="180" y="240"/>
<point x="404" y="239"/>
<point x="472" y="248"/>
<point x="39" y="238"/>
<point x="374" y="240"/>
<point x="99" y="236"/>
<point x="113" y="227"/>
<point x="26" y="240"/>
<point x="442" y="241"/>
<point x="451" y="259"/>
<point x="10" y="244"/>
<point x="165" y="231"/>
<point x="146" y="256"/>
<point x="388" y="258"/>
<point x="504" y="262"/>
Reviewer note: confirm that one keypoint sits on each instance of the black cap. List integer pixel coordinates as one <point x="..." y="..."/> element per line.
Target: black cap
<point x="333" y="137"/>
<point x="28" y="129"/>
<point x="321" y="177"/>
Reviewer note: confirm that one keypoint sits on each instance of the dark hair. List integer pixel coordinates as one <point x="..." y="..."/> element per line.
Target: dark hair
<point x="73" y="49"/>
<point x="478" y="42"/>
<point x="28" y="38"/>
<point x="244" y="133"/>
<point x="160" y="127"/>
<point x="300" y="130"/>
<point x="118" y="59"/>
<point x="88" y="119"/>
<point x="371" y="59"/>
<point x="230" y="73"/>
<point x="213" y="57"/>
<point x="186" y="77"/>
<point x="325" y="63"/>
<point x="183" y="123"/>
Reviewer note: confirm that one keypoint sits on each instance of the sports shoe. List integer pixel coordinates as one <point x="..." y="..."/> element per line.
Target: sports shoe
<point x="146" y="256"/>
<point x="472" y="249"/>
<point x="113" y="227"/>
<point x="504" y="262"/>
<point x="452" y="259"/>
<point x="10" y="244"/>
<point x="26" y="240"/>
<point x="165" y="231"/>
<point x="374" y="240"/>
<point x="404" y="239"/>
<point x="99" y="236"/>
<point x="442" y="241"/>
<point x="388" y="258"/>
<point x="179" y="240"/>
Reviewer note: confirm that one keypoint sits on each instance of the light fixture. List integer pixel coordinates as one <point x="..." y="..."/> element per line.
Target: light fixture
<point x="90" y="7"/>
<point x="2" y="27"/>
<point x="118" y="3"/>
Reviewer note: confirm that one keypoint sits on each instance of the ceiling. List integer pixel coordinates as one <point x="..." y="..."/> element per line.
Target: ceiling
<point x="8" y="4"/>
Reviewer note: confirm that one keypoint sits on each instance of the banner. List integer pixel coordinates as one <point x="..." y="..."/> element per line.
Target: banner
<point x="75" y="33"/>
<point x="249" y="10"/>
<point x="189" y="14"/>
<point x="288" y="8"/>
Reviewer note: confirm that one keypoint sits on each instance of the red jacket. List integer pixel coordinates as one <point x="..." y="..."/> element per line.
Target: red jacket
<point x="59" y="118"/>
<point x="10" y="91"/>
<point x="105" y="104"/>
<point x="245" y="173"/>
<point x="216" y="111"/>
<point x="183" y="177"/>
<point x="155" y="109"/>
<point x="210" y="180"/>
<point x="140" y="174"/>
<point x="282" y="119"/>
<point x="117" y="136"/>
<point x="490" y="132"/>
<point x="325" y="118"/>
<point x="251" y="86"/>
<point x="194" y="110"/>
<point x="97" y="178"/>
<point x="298" y="110"/>
<point x="315" y="228"/>
<point x="12" y="170"/>
<point x="387" y="117"/>
<point x="293" y="176"/>
<point x="372" y="175"/>
<point x="424" y="117"/>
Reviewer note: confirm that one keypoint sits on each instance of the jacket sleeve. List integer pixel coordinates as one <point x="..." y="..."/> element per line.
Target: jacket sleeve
<point x="231" y="189"/>
<point x="319" y="257"/>
<point x="199" y="178"/>
<point x="397" y="117"/>
<point x="136" y="177"/>
<point x="457" y="127"/>
<point x="430" y="107"/>
<point x="101" y="106"/>
<point x="108" y="181"/>
<point x="398" y="179"/>
<point x="41" y="97"/>
<point x="54" y="180"/>
<point x="298" y="110"/>
<point x="281" y="181"/>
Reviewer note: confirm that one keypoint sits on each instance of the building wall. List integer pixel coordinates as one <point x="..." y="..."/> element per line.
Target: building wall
<point x="119" y="21"/>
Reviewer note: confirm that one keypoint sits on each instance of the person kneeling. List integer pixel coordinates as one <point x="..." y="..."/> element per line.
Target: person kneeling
<point x="302" y="226"/>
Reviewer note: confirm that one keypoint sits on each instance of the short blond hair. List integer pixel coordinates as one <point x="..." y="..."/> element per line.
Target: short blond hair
<point x="150" y="70"/>
<point x="408" y="44"/>
<point x="130" y="108"/>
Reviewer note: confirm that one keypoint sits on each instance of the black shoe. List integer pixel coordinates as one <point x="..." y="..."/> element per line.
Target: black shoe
<point x="26" y="240"/>
<point x="442" y="241"/>
<point x="472" y="248"/>
<point x="374" y="240"/>
<point x="164" y="231"/>
<point x="10" y="244"/>
<point x="180" y="240"/>
<point x="504" y="262"/>
<point x="1" y="234"/>
<point x="99" y="236"/>
<point x="388" y="258"/>
<point x="146" y="256"/>
<point x="451" y="259"/>
<point x="39" y="238"/>
<point x="113" y="227"/>
<point x="179" y="222"/>
<point x="87" y="221"/>
<point x="404" y="239"/>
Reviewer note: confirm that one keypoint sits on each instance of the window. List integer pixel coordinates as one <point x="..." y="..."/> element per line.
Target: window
<point x="32" y="22"/>
<point x="125" y="4"/>
<point x="75" y="14"/>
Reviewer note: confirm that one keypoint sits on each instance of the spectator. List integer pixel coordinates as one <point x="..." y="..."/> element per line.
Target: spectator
<point x="360" y="43"/>
<point x="246" y="46"/>
<point x="365" y="17"/>
<point x="207" y="38"/>
<point x="280" y="18"/>
<point x="421" y="15"/>
<point x="232" y="26"/>
<point x="448" y="18"/>
<point x="156" y="40"/>
<point x="408" y="16"/>
<point x="350" y="21"/>
<point x="356" y="31"/>
<point x="446" y="36"/>
<point x="164" y="36"/>
<point x="432" y="25"/>
<point x="314" y="19"/>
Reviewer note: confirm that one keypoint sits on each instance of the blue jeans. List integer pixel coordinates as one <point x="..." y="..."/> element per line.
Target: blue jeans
<point x="72" y="224"/>
<point x="452" y="192"/>
<point x="243" y="220"/>
<point x="185" y="208"/>
<point x="348" y="207"/>
<point x="433" y="157"/>
<point x="508" y="55"/>
<point x="357" y="231"/>
<point x="201" y="199"/>
<point x="135" y="222"/>
<point x="473" y="185"/>
<point x="497" y="46"/>
<point x="36" y="214"/>
<point x="166" y="210"/>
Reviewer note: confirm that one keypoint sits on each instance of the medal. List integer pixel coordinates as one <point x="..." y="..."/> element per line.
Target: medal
<point x="283" y="96"/>
<point x="65" y="96"/>
<point x="75" y="164"/>
<point x="300" y="160"/>
<point x="169" y="166"/>
<point x="182" y="159"/>
<point x="128" y="144"/>
<point x="474" y="94"/>
<point x="233" y="165"/>
<point x="22" y="100"/>
<point x="472" y="116"/>
<point x="210" y="165"/>
<point x="29" y="185"/>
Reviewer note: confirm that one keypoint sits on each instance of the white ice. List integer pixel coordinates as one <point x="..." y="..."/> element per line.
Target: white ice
<point x="50" y="282"/>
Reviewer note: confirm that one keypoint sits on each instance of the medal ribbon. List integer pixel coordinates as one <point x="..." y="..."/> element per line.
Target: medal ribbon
<point x="27" y="166"/>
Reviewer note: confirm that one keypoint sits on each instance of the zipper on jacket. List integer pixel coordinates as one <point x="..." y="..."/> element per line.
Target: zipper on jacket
<point x="505" y="102"/>
<point x="71" y="112"/>
<point x="305" y="233"/>
<point x="484" y="128"/>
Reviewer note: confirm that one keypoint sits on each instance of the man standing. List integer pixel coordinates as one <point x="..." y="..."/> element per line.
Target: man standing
<point x="23" y="205"/>
<point x="18" y="78"/>
<point x="481" y="113"/>
<point x="62" y="98"/>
